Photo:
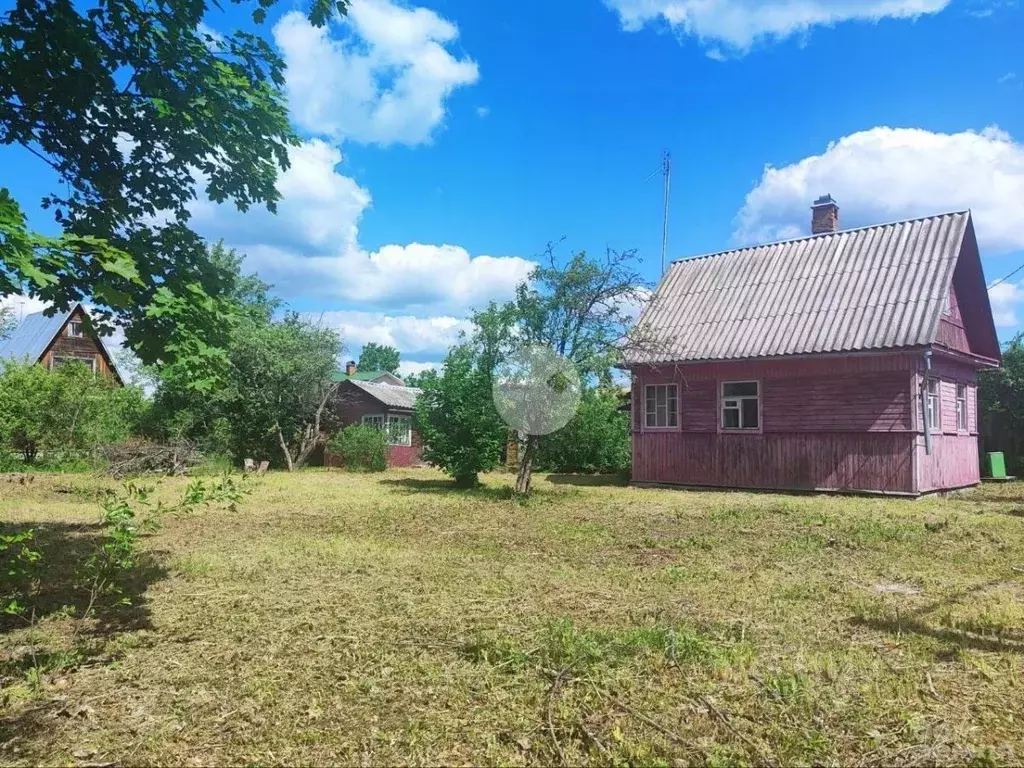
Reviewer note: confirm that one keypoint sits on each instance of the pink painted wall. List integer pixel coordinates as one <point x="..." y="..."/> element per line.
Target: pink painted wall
<point x="954" y="461"/>
<point x="850" y="423"/>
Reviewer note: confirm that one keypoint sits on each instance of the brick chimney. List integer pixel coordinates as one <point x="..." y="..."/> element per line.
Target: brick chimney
<point x="825" y="217"/>
<point x="350" y="368"/>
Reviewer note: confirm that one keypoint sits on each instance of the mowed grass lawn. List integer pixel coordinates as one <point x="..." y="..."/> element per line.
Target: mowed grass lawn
<point x="388" y="619"/>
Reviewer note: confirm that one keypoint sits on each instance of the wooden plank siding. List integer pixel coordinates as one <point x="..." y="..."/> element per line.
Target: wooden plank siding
<point x="85" y="347"/>
<point x="851" y="423"/>
<point x="842" y="423"/>
<point x="822" y="461"/>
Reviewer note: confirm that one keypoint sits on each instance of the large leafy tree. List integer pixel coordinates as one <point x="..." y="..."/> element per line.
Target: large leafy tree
<point x="136" y="110"/>
<point x="584" y="310"/>
<point x="379" y="357"/>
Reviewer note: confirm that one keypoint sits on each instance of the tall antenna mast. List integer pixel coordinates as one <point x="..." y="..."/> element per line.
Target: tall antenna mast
<point x="666" y="165"/>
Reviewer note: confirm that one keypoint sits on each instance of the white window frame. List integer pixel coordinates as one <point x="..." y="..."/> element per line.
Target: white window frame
<point x="962" y="422"/>
<point x="406" y="434"/>
<point x="80" y="326"/>
<point x="735" y="403"/>
<point x="934" y="401"/>
<point x="89" y="361"/>
<point x="671" y="414"/>
<point x="388" y="420"/>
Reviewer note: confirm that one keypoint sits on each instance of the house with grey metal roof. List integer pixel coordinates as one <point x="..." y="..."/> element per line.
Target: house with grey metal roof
<point x="385" y="403"/>
<point x="842" y="361"/>
<point x="58" y="339"/>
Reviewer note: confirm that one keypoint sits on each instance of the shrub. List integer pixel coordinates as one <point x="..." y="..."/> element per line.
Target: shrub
<point x="361" y="448"/>
<point x="597" y="440"/>
<point x="461" y="431"/>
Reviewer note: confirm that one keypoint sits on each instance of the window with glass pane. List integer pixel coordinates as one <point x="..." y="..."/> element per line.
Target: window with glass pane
<point x="741" y="405"/>
<point x="933" y="405"/>
<point x="661" y="406"/>
<point x="375" y="420"/>
<point x="399" y="430"/>
<point x="961" y="407"/>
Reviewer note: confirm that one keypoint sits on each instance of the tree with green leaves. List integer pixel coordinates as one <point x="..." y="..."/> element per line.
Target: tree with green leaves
<point x="461" y="431"/>
<point x="279" y="384"/>
<point x="583" y="310"/>
<point x="597" y="439"/>
<point x="1001" y="402"/>
<point x="69" y="408"/>
<point x="7" y="322"/>
<point x="138" y="110"/>
<point x="379" y="357"/>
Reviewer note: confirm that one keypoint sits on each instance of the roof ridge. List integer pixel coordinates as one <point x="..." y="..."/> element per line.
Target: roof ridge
<point x="789" y="240"/>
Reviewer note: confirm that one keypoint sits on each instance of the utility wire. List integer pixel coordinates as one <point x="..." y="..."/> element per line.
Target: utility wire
<point x="1004" y="279"/>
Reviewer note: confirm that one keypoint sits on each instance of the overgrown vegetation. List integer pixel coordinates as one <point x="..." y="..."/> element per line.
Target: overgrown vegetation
<point x="1001" y="400"/>
<point x="360" y="448"/>
<point x="596" y="440"/>
<point x="64" y="412"/>
<point x="391" y="619"/>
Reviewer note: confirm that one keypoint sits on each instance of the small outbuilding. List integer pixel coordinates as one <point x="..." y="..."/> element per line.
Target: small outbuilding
<point x="843" y="361"/>
<point x="53" y="341"/>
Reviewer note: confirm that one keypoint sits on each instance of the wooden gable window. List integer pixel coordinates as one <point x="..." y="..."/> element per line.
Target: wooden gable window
<point x="661" y="403"/>
<point x="961" y="407"/>
<point x="741" y="405"/>
<point x="934" y="405"/>
<point x="58" y="360"/>
<point x="76" y="329"/>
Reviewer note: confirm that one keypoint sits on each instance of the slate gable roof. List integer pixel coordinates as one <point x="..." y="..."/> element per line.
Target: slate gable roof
<point x="389" y="394"/>
<point x="873" y="288"/>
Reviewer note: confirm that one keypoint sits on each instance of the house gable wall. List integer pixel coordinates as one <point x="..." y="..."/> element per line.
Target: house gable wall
<point x="86" y="347"/>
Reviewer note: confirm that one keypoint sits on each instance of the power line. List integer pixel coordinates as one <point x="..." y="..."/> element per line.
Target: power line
<point x="1004" y="279"/>
<point x="667" y="166"/>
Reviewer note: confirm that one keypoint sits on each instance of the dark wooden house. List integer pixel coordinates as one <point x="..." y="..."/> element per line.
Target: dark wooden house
<point x="843" y="361"/>
<point x="65" y="337"/>
<point x="379" y="399"/>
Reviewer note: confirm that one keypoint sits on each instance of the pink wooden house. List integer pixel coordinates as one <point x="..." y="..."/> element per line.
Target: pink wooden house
<point x="843" y="361"/>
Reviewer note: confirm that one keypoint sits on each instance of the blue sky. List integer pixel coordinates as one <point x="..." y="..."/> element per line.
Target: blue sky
<point x="447" y="141"/>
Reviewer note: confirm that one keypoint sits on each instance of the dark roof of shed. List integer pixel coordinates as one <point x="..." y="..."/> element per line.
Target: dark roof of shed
<point x="873" y="288"/>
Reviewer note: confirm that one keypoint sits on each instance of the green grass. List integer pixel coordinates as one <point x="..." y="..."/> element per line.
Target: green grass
<point x="388" y="619"/>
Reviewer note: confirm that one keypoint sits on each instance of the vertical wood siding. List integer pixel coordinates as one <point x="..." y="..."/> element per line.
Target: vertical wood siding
<point x="837" y="462"/>
<point x="827" y="424"/>
<point x="953" y="463"/>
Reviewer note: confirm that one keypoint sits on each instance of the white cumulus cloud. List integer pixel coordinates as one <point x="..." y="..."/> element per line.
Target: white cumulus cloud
<point x="1006" y="300"/>
<point x="739" y="24"/>
<point x="382" y="75"/>
<point x="412" y="336"/>
<point x="887" y="174"/>
<point x="311" y="248"/>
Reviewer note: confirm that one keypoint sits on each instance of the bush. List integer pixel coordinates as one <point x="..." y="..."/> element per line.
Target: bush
<point x="461" y="431"/>
<point x="361" y="448"/>
<point x="597" y="440"/>
<point x="46" y="415"/>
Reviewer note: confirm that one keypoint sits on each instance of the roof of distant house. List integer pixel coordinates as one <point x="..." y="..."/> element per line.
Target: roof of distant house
<point x="389" y="394"/>
<point x="34" y="334"/>
<point x="873" y="288"/>
<point x="363" y="376"/>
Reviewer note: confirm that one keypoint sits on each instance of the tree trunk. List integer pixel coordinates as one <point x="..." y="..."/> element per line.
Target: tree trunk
<point x="284" y="448"/>
<point x="526" y="465"/>
<point x="311" y="438"/>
